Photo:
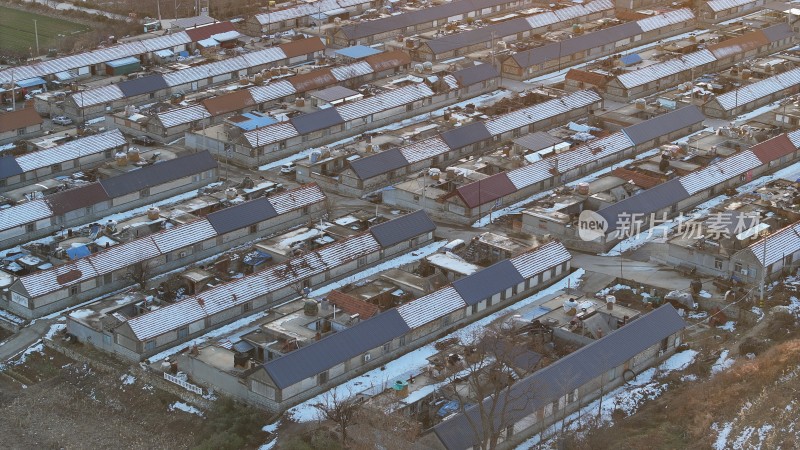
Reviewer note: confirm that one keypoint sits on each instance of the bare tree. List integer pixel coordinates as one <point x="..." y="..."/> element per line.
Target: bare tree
<point x="141" y="272"/>
<point x="340" y="409"/>
<point x="493" y="360"/>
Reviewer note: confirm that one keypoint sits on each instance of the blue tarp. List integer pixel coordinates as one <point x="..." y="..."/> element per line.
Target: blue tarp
<point x="30" y="82"/>
<point x="256" y="257"/>
<point x="449" y="407"/>
<point x="78" y="252"/>
<point x="631" y="59"/>
<point x="254" y="121"/>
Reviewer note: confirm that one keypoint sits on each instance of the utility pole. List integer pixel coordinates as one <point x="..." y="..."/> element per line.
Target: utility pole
<point x="36" y="31"/>
<point x="763" y="271"/>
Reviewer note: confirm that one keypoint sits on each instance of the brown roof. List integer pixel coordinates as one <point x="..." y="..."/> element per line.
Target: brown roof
<point x="629" y="15"/>
<point x="206" y="31"/>
<point x="226" y="103"/>
<point x="739" y="44"/>
<point x="74" y="199"/>
<point x="22" y="118"/>
<point x="312" y="80"/>
<point x="773" y="149"/>
<point x="352" y="305"/>
<point x="302" y="47"/>
<point x="639" y="179"/>
<point x="486" y="190"/>
<point x="388" y="60"/>
<point x="583" y="76"/>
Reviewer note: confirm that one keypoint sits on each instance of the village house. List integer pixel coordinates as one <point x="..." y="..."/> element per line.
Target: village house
<point x="20" y="124"/>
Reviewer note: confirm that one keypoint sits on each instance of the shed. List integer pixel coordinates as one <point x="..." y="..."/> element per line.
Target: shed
<point x="123" y="66"/>
<point x="356" y="52"/>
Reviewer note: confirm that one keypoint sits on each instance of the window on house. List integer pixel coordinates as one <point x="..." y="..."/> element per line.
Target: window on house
<point x="55" y="168"/>
<point x="74" y="290"/>
<point x="362" y="261"/>
<point x="737" y="267"/>
<point x="183" y="333"/>
<point x="88" y="210"/>
<point x="150" y="345"/>
<point x="253" y="229"/>
<point x="322" y="378"/>
<point x="107" y="278"/>
<point x="573" y="396"/>
<point x="402" y="341"/>
<point x="247" y="307"/>
<point x="386" y="347"/>
<point x="20" y="131"/>
<point x="717" y="263"/>
<point x="2" y="183"/>
<point x="144" y="192"/>
<point x="30" y="228"/>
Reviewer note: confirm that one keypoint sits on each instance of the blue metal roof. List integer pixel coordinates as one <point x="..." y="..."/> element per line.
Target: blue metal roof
<point x="254" y="121"/>
<point x="631" y="59"/>
<point x="357" y="51"/>
<point x="123" y="62"/>
<point x="78" y="252"/>
<point x="30" y="82"/>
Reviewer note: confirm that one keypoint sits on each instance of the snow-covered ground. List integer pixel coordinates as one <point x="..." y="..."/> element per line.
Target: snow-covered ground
<point x="722" y="363"/>
<point x="414" y="361"/>
<point x="627" y="398"/>
<point x="180" y="406"/>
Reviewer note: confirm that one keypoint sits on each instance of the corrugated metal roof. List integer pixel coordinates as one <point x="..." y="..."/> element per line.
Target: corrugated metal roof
<point x="465" y="135"/>
<point x="666" y="19"/>
<point x="378" y="164"/>
<point x="664" y="124"/>
<point x="93" y="57"/>
<point x="483" y="284"/>
<point x="158" y="173"/>
<point x="723" y="170"/>
<point x="300" y="197"/>
<point x="759" y="89"/>
<point x="424" y="149"/>
<point x="541" y="111"/>
<point x="24" y="213"/>
<point x="180" y="116"/>
<point x="305" y="9"/>
<point x="660" y="70"/>
<point x="779" y="244"/>
<point x="475" y="36"/>
<point x="97" y="96"/>
<point x="542" y="20"/>
<point x="72" y="150"/>
<point x="124" y="255"/>
<point x="571" y="372"/>
<point x="416" y="17"/>
<point x="221" y="298"/>
<point x="402" y="228"/>
<point x="431" y="307"/>
<point x="272" y="91"/>
<point x="383" y="101"/>
<point x="46" y="281"/>
<point x="722" y="5"/>
<point x="593" y="151"/>
<point x="265" y="56"/>
<point x="270" y="134"/>
<point x="794" y="136"/>
<point x="541" y="259"/>
<point x="183" y="235"/>
<point x="532" y="173"/>
<point x="773" y="149"/>
<point x="738" y="44"/>
<point x="349" y="71"/>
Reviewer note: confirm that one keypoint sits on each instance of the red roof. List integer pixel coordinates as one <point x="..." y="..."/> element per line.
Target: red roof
<point x="352" y="305"/>
<point x="21" y="118"/>
<point x="639" y="179"/>
<point x="584" y="76"/>
<point x="487" y="190"/>
<point x="773" y="149"/>
<point x="206" y="31"/>
<point x="226" y="103"/>
<point x="312" y="80"/>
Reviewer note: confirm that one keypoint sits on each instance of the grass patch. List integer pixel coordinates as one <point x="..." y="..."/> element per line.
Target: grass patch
<point x="17" y="31"/>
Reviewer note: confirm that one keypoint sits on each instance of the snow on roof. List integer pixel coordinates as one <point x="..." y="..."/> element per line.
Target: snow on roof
<point x="778" y="244"/>
<point x="431" y="307"/>
<point x="24" y="213"/>
<point x="722" y="5"/>
<point x="383" y="101"/>
<point x="720" y="171"/>
<point x="180" y="116"/>
<point x="97" y="96"/>
<point x="664" y="69"/>
<point x="424" y="149"/>
<point x="760" y="89"/>
<point x="296" y="198"/>
<point x="72" y="150"/>
<point x="541" y="259"/>
<point x="666" y="19"/>
<point x="541" y="111"/>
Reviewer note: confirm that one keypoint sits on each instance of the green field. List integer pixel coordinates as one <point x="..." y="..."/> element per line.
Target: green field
<point x="17" y="33"/>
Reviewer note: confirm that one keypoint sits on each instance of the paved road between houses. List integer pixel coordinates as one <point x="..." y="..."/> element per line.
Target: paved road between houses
<point x="24" y="339"/>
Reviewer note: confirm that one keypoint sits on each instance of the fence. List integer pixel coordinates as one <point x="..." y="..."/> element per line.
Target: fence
<point x="188" y="386"/>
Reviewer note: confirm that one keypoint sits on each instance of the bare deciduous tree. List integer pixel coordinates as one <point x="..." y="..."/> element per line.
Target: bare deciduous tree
<point x="340" y="409"/>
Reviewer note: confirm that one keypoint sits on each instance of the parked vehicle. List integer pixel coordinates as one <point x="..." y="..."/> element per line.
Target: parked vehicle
<point x="144" y="140"/>
<point x="62" y="120"/>
<point x="288" y="168"/>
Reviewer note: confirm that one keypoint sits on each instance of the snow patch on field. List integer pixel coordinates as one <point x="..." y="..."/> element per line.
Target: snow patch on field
<point x="722" y="363"/>
<point x="180" y="406"/>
